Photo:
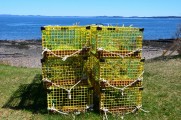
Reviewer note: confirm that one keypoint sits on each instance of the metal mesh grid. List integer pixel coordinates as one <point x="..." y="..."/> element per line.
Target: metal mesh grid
<point x="65" y="37"/>
<point x="117" y="69"/>
<point x="81" y="98"/>
<point x="120" y="40"/>
<point x="64" y="72"/>
<point x="63" y="53"/>
<point x="115" y="57"/>
<point x="115" y="102"/>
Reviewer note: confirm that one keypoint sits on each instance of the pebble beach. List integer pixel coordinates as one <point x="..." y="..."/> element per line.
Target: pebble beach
<point x="27" y="53"/>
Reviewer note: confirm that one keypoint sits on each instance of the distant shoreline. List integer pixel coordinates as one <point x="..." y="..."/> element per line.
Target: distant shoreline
<point x="9" y="15"/>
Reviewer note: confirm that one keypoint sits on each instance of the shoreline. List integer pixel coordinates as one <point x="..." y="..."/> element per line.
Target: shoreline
<point x="27" y="53"/>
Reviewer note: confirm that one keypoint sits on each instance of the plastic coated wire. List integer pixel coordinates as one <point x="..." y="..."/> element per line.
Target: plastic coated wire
<point x="64" y="72"/>
<point x="73" y="38"/>
<point x="81" y="99"/>
<point x="64" y="37"/>
<point x="116" y="69"/>
<point x="122" y="89"/>
<point x="63" y="58"/>
<point x="139" y="107"/>
<point x="118" y="38"/>
<point x="68" y="90"/>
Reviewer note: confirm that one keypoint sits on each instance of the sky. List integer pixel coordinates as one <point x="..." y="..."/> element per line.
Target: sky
<point x="127" y="8"/>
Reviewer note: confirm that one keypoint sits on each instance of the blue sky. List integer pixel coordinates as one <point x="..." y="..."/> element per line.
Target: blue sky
<point x="92" y="7"/>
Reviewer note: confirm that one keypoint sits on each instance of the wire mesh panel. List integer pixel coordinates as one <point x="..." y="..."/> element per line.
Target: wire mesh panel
<point x="65" y="40"/>
<point x="105" y="57"/>
<point x="117" y="41"/>
<point x="115" y="102"/>
<point x="65" y="72"/>
<point x="117" y="69"/>
<point x="120" y="69"/>
<point x="81" y="99"/>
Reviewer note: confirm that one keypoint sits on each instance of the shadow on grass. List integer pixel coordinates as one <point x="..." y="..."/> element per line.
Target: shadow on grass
<point x="31" y="97"/>
<point x="165" y="58"/>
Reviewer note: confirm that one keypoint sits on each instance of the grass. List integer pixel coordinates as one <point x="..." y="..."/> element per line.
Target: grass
<point x="23" y="97"/>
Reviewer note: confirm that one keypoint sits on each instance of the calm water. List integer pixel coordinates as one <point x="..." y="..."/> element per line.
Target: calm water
<point x="28" y="27"/>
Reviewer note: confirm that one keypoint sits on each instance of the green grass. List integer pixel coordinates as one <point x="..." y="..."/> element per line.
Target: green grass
<point x="23" y="97"/>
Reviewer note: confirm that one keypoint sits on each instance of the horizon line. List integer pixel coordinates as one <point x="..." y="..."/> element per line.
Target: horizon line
<point x="88" y="16"/>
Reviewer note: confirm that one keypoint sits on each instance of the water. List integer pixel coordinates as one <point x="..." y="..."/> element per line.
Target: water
<point x="28" y="27"/>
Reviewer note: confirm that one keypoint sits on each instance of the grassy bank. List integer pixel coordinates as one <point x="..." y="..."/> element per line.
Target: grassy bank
<point x="23" y="97"/>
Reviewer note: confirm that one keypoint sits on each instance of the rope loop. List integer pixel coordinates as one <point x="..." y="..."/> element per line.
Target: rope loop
<point x="68" y="90"/>
<point x="63" y="58"/>
<point x="137" y="50"/>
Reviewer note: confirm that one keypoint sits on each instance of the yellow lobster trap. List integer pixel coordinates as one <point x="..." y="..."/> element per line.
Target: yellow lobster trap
<point x="69" y="72"/>
<point x="117" y="99"/>
<point x="61" y="41"/>
<point x="68" y="99"/>
<point x="116" y="102"/>
<point x="114" y="41"/>
<point x="80" y="62"/>
<point x="116" y="69"/>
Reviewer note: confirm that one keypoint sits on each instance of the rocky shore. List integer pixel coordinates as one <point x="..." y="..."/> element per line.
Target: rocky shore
<point x="27" y="53"/>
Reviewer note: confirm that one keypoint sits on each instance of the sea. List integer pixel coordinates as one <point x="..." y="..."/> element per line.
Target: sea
<point x="13" y="27"/>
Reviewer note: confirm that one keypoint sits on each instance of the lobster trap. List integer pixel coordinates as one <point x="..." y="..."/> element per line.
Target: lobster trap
<point x="69" y="100"/>
<point x="116" y="69"/>
<point x="117" y="100"/>
<point x="66" y="72"/>
<point x="65" y="40"/>
<point x="85" y="62"/>
<point x="109" y="41"/>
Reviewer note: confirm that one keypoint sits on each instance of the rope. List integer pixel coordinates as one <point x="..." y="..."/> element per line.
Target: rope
<point x="44" y="50"/>
<point x="144" y="110"/>
<point x="139" y="107"/>
<point x="89" y="107"/>
<point x="48" y="50"/>
<point x="105" y="113"/>
<point x="63" y="58"/>
<point x="101" y="49"/>
<point x="68" y="90"/>
<point x="122" y="89"/>
<point x="53" y="109"/>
